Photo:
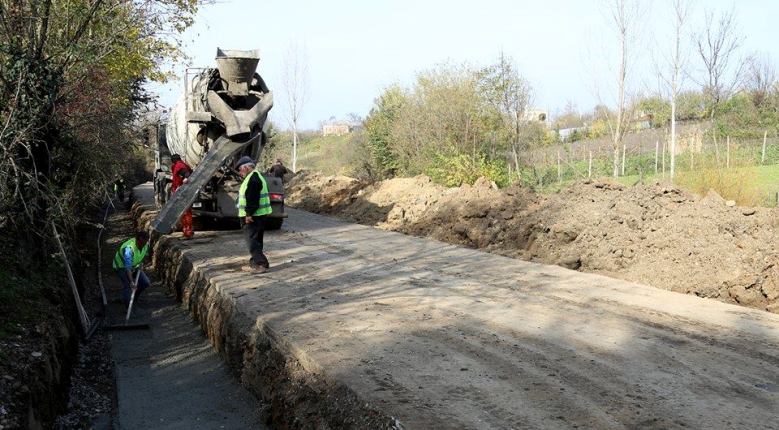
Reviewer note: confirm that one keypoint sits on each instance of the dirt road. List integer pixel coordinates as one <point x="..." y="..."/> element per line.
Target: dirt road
<point x="439" y="336"/>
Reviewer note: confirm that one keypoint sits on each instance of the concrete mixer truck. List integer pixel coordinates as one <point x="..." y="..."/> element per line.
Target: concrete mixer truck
<point x="218" y="118"/>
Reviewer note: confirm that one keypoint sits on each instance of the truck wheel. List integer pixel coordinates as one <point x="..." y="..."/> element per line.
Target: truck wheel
<point x="273" y="223"/>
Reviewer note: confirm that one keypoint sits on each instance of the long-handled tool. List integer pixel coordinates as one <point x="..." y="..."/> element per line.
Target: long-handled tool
<point x="87" y="325"/>
<point x="132" y="296"/>
<point x="127" y="325"/>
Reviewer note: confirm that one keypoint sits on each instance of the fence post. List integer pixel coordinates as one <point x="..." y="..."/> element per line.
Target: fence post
<point x="692" y="159"/>
<point x="589" y="167"/>
<point x="657" y="149"/>
<point x="559" y="169"/>
<point x="762" y="157"/>
<point x="663" y="159"/>
<point x="727" y="154"/>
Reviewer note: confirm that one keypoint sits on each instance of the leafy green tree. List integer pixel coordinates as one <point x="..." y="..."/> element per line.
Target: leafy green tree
<point x="690" y="105"/>
<point x="508" y="94"/>
<point x="378" y="128"/>
<point x="71" y="92"/>
<point x="658" y="108"/>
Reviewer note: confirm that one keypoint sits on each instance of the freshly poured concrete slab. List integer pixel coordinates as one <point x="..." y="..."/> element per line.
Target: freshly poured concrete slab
<point x="440" y="336"/>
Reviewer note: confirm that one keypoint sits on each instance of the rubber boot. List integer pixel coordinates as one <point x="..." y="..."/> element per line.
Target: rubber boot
<point x="186" y="224"/>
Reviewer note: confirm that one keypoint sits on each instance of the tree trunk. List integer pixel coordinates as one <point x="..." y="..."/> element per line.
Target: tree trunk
<point x="616" y="161"/>
<point x="294" y="147"/>
<point x="624" y="146"/>
<point x="673" y="137"/>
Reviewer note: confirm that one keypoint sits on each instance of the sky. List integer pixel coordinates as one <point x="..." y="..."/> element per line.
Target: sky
<point x="356" y="48"/>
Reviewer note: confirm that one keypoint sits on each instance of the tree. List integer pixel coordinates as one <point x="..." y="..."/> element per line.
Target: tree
<point x="673" y="74"/>
<point x="509" y="94"/>
<point x="569" y="117"/>
<point x="353" y="119"/>
<point x="295" y="80"/>
<point x="622" y="17"/>
<point x="379" y="130"/>
<point x="717" y="45"/>
<point x="658" y="108"/>
<point x="760" y="79"/>
<point x="71" y="89"/>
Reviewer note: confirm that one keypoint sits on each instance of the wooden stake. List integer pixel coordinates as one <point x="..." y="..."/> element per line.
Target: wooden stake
<point x="727" y="154"/>
<point x="663" y="159"/>
<point x="762" y="157"/>
<point x="559" y="168"/>
<point x="589" y="167"/>
<point x="657" y="149"/>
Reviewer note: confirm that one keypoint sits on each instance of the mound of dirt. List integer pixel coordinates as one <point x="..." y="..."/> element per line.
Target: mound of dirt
<point x="654" y="235"/>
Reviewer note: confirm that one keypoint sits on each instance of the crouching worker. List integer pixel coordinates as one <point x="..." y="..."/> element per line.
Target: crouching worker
<point x="127" y="261"/>
<point x="253" y="206"/>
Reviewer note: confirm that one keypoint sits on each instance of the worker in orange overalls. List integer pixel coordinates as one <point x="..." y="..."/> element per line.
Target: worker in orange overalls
<point x="181" y="172"/>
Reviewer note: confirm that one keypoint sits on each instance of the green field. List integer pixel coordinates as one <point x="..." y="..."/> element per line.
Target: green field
<point x="331" y="155"/>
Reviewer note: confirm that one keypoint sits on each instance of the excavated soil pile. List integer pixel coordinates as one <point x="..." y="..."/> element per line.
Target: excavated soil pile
<point x="654" y="235"/>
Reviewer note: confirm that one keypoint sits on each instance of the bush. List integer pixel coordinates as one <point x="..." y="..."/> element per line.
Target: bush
<point x="731" y="184"/>
<point x="453" y="169"/>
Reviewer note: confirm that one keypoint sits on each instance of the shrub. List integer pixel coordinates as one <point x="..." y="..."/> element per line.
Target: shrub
<point x="453" y="169"/>
<point x="731" y="184"/>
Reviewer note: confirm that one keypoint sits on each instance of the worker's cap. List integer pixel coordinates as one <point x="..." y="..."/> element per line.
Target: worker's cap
<point x="244" y="160"/>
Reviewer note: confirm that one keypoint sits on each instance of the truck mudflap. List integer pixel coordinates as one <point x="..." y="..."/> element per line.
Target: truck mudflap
<point x="222" y="149"/>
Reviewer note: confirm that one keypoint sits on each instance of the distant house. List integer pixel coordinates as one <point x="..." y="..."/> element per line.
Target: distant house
<point x="642" y="120"/>
<point x="536" y="115"/>
<point x="565" y="133"/>
<point x="336" y="129"/>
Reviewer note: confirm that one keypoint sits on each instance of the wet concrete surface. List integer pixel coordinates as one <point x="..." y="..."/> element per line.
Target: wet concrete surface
<point x="169" y="377"/>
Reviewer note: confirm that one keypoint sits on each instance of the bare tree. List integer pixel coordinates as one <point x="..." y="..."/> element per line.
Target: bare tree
<point x="672" y="72"/>
<point x="295" y="80"/>
<point x="760" y="79"/>
<point x="622" y="16"/>
<point x="717" y="45"/>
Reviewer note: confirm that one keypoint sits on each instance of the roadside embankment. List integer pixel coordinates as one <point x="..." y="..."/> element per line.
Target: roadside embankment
<point x="655" y="235"/>
<point x="36" y="354"/>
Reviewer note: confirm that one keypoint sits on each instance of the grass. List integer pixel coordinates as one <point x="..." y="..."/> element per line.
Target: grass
<point x="331" y="155"/>
<point x="747" y="185"/>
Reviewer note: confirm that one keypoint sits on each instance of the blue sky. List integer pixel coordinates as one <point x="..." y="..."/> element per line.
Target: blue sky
<point x="356" y="48"/>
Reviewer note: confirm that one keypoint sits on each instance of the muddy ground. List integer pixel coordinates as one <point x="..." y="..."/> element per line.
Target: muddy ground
<point x="655" y="235"/>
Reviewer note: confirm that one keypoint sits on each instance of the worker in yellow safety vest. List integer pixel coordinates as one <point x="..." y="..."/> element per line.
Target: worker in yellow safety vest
<point x="253" y="207"/>
<point x="127" y="264"/>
